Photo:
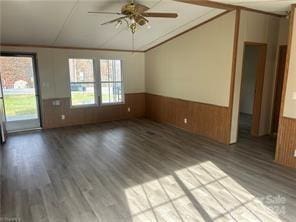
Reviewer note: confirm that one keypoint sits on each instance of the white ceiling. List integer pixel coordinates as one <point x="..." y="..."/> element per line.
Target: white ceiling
<point x="67" y="23"/>
<point x="274" y="6"/>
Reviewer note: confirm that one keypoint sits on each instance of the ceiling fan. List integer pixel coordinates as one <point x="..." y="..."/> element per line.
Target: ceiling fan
<point x="135" y="14"/>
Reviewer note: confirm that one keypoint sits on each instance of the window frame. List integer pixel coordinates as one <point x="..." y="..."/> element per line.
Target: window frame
<point x="96" y="102"/>
<point x="100" y="83"/>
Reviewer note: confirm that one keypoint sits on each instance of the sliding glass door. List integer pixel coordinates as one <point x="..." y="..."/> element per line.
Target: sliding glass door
<point x="20" y="96"/>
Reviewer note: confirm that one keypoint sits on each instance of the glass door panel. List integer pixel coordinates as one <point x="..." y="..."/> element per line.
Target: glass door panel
<point x="19" y="92"/>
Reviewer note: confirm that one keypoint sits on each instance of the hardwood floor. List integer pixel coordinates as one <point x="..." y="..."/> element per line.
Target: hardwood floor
<point x="139" y="170"/>
<point x="245" y="123"/>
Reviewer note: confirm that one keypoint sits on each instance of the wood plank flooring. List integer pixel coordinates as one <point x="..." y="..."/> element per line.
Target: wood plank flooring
<point x="139" y="170"/>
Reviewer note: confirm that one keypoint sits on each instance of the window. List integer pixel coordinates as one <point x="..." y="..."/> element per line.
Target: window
<point x="111" y="81"/>
<point x="82" y="82"/>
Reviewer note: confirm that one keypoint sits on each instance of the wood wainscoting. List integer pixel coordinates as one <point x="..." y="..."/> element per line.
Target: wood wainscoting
<point x="51" y="114"/>
<point x="286" y="142"/>
<point x="203" y="119"/>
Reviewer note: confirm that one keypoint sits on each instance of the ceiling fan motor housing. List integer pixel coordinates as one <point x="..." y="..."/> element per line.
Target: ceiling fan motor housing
<point x="128" y="9"/>
<point x="131" y="10"/>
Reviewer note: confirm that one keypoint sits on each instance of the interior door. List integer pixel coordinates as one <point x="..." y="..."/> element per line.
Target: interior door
<point x="279" y="87"/>
<point x="260" y="71"/>
<point x="19" y="88"/>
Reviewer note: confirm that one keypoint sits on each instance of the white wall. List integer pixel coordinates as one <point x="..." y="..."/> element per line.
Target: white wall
<point x="251" y="57"/>
<point x="260" y="28"/>
<point x="195" y="66"/>
<point x="53" y="68"/>
<point x="290" y="96"/>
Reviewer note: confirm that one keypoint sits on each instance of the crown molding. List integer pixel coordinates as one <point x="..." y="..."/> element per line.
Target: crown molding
<point x="66" y="47"/>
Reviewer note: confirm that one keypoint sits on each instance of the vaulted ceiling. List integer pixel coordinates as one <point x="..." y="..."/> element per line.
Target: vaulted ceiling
<point x="67" y="23"/>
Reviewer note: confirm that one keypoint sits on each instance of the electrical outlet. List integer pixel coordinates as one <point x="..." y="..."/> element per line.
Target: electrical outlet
<point x="63" y="117"/>
<point x="129" y="109"/>
<point x="185" y="120"/>
<point x="56" y="103"/>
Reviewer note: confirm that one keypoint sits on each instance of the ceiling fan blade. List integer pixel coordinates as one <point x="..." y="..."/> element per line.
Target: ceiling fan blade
<point x="114" y="20"/>
<point x="141" y="8"/>
<point x="106" y="13"/>
<point x="160" y="14"/>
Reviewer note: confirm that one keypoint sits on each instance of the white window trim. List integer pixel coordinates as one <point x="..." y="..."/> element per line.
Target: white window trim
<point x="97" y="84"/>
<point x="95" y="104"/>
<point x="122" y="83"/>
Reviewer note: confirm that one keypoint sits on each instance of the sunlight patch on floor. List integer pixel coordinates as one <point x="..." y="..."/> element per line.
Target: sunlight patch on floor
<point x="198" y="193"/>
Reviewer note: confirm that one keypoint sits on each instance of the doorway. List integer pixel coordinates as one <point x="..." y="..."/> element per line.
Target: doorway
<point x="252" y="88"/>
<point x="19" y="86"/>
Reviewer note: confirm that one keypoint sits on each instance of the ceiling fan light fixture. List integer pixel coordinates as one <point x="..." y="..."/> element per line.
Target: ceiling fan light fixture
<point x="135" y="15"/>
<point x="133" y="27"/>
<point x="133" y="21"/>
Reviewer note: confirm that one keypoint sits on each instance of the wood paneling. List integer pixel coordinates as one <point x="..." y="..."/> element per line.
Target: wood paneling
<point x="203" y="119"/>
<point x="286" y="143"/>
<point x="207" y="120"/>
<point x="51" y="115"/>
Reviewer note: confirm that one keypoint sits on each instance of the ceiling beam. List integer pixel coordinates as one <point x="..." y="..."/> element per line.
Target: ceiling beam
<point x="260" y="11"/>
<point x="211" y="4"/>
<point x="225" y="6"/>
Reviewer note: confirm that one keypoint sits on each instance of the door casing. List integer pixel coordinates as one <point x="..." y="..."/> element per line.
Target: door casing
<point x="260" y="72"/>
<point x="281" y="65"/>
<point x="36" y="77"/>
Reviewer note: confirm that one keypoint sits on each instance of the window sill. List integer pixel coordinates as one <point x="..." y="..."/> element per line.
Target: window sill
<point x="95" y="105"/>
<point x="83" y="106"/>
<point x="112" y="104"/>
